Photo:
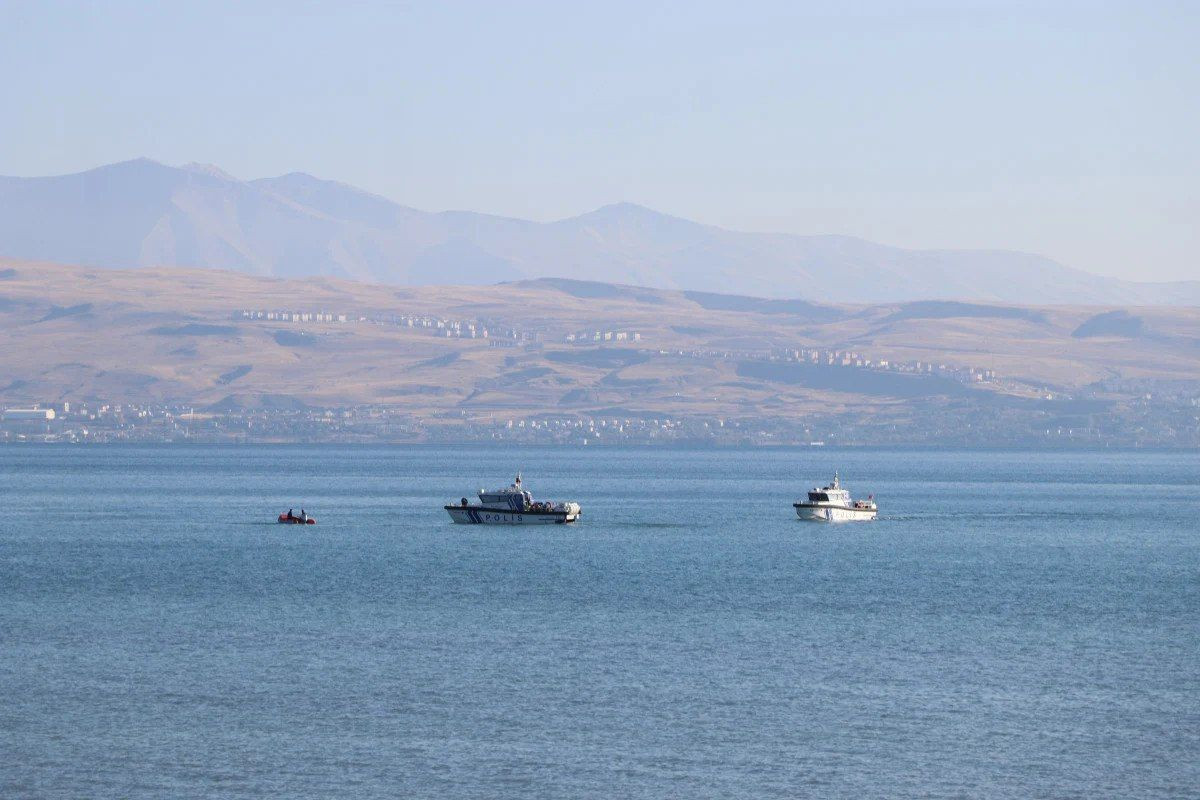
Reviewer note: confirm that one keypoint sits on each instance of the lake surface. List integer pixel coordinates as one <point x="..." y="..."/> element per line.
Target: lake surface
<point x="1015" y="625"/>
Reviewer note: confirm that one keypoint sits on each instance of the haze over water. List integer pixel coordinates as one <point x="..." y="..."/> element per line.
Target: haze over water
<point x="1015" y="625"/>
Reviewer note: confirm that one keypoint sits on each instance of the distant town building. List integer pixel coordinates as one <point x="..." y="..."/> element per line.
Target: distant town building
<point x="28" y="414"/>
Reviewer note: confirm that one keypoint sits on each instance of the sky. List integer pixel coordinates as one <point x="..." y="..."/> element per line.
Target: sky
<point x="1071" y="130"/>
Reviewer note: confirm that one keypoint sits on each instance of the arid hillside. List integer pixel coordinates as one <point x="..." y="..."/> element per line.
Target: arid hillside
<point x="220" y="340"/>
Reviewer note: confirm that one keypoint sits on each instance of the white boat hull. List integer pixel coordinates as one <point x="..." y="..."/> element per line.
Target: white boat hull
<point x="819" y="513"/>
<point x="474" y="515"/>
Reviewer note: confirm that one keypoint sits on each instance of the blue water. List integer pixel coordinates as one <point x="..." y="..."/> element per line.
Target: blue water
<point x="1015" y="625"/>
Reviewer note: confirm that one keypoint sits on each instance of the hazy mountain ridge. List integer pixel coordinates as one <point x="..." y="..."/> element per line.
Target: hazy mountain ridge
<point x="149" y="214"/>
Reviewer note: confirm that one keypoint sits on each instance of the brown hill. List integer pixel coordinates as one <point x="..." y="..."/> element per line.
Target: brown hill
<point x="180" y="336"/>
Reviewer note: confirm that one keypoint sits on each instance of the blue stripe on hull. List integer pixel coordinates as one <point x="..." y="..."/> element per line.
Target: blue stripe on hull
<point x="477" y="516"/>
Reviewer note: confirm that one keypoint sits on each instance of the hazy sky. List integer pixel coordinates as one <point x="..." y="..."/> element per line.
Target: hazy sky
<point x="1067" y="129"/>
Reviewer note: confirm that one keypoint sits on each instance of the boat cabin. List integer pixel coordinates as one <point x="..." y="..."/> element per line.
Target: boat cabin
<point x="511" y="497"/>
<point x="833" y="493"/>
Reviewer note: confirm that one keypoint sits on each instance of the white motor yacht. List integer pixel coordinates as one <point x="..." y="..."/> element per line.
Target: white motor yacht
<point x="832" y="503"/>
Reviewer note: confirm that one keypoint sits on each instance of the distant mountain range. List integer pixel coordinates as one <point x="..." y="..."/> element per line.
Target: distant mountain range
<point x="142" y="213"/>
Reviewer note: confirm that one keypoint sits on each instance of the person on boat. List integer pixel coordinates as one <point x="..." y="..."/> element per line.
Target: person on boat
<point x="303" y="515"/>
<point x="290" y="514"/>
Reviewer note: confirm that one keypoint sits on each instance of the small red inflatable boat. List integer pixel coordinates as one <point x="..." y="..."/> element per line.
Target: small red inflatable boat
<point x="284" y="519"/>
